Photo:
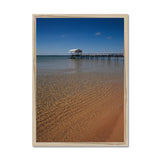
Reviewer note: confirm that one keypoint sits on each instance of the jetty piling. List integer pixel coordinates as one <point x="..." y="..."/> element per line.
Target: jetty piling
<point x="95" y="55"/>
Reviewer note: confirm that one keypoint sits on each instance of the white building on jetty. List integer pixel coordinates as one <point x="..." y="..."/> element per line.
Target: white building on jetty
<point x="75" y="51"/>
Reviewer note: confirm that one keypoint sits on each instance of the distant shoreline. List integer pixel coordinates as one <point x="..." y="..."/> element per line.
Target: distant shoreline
<point x="54" y="55"/>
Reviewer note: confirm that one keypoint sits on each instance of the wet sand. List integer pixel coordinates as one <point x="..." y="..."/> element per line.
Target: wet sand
<point x="81" y="107"/>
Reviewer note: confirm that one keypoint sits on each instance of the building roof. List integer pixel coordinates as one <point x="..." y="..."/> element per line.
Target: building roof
<point x="75" y="51"/>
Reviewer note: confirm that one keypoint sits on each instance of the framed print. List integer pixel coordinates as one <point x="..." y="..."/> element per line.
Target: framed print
<point x="80" y="80"/>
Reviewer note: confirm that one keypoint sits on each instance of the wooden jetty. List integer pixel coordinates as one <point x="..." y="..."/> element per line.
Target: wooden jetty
<point x="95" y="55"/>
<point x="77" y="54"/>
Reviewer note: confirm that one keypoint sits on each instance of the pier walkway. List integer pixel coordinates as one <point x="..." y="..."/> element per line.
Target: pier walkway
<point x="96" y="55"/>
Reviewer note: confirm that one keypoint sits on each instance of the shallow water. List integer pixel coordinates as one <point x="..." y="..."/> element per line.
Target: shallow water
<point x="64" y="65"/>
<point x="79" y="100"/>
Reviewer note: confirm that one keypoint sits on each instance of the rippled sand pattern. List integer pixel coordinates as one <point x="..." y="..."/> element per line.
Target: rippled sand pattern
<point x="80" y="107"/>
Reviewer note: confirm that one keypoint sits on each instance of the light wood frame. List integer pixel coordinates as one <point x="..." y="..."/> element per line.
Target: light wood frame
<point x="125" y="143"/>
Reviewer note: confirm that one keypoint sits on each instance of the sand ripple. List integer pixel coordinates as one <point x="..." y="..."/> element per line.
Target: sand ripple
<point x="79" y="108"/>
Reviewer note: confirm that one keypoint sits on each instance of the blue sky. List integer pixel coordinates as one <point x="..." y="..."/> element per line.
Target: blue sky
<point x="55" y="36"/>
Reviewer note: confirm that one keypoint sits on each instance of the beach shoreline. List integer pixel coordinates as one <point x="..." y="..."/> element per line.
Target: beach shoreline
<point x="83" y="113"/>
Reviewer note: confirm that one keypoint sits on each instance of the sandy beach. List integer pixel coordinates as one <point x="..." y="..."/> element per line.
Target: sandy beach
<point x="80" y="107"/>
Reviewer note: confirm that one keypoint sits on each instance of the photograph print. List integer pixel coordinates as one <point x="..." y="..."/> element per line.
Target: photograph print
<point x="80" y="79"/>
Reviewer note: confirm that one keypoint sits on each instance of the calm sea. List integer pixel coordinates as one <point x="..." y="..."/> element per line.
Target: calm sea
<point x="65" y="65"/>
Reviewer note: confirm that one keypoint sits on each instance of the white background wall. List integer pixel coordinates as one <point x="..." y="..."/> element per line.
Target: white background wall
<point x="16" y="78"/>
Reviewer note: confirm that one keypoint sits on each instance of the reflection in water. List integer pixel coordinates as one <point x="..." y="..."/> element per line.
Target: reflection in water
<point x="75" y="64"/>
<point x="65" y="65"/>
<point x="96" y="64"/>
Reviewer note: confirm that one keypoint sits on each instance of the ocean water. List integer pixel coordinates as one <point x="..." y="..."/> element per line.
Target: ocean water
<point x="51" y="65"/>
<point x="79" y="100"/>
